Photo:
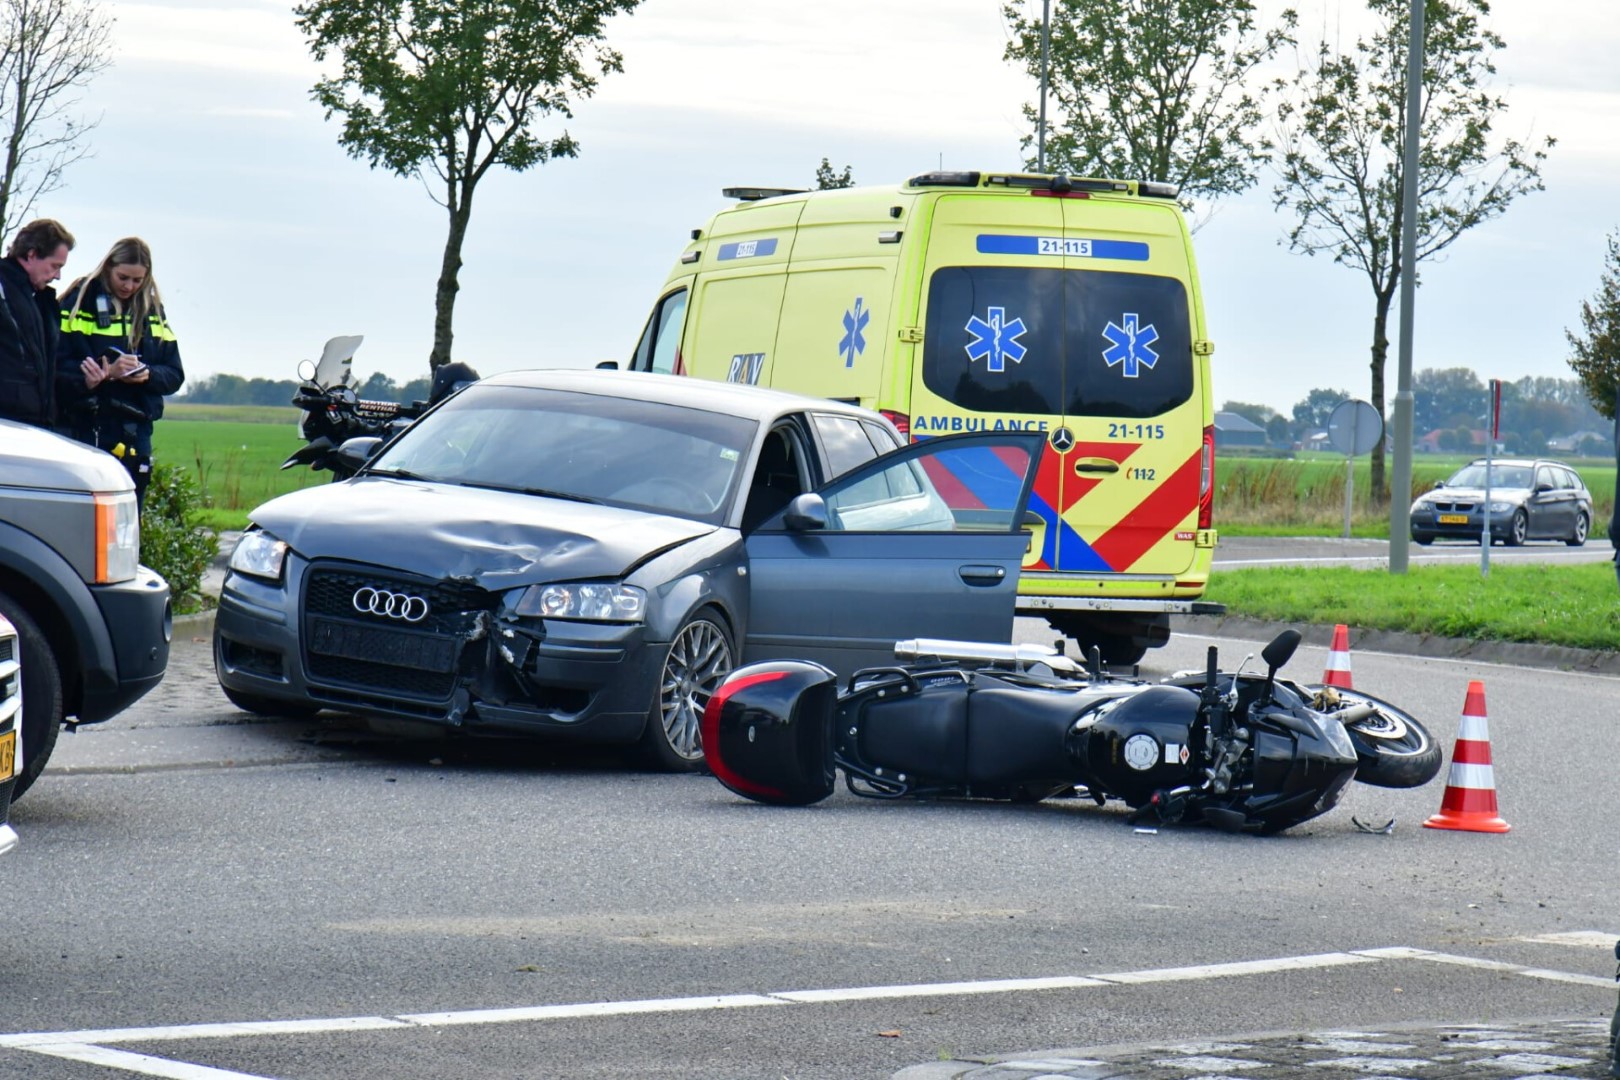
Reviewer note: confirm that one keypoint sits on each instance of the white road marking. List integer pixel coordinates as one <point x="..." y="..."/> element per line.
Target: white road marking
<point x="86" y="1046"/>
<point x="1581" y="938"/>
<point x="145" y="1064"/>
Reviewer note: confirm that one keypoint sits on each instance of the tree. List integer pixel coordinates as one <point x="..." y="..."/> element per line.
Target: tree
<point x="1596" y="358"/>
<point x="827" y="179"/>
<point x="1151" y="89"/>
<point x="1317" y="408"/>
<point x="1342" y="135"/>
<point x="49" y="51"/>
<point x="455" y="88"/>
<point x="1446" y="396"/>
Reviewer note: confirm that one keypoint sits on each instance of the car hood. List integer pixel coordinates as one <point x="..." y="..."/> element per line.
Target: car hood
<point x="1473" y="494"/>
<point x="499" y="539"/>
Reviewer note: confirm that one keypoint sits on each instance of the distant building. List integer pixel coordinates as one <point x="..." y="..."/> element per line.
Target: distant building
<point x="1231" y="429"/>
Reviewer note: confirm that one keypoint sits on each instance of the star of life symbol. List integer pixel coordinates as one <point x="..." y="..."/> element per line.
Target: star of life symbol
<point x="854" y="341"/>
<point x="1131" y="345"/>
<point x="996" y="341"/>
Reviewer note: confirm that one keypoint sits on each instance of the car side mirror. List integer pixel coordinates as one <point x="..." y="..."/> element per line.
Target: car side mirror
<point x="1543" y="487"/>
<point x="353" y="453"/>
<point x="806" y="513"/>
<point x="1438" y="484"/>
<point x="607" y="365"/>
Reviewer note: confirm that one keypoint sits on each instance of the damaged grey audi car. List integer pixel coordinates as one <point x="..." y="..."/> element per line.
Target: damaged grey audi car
<point x="587" y="554"/>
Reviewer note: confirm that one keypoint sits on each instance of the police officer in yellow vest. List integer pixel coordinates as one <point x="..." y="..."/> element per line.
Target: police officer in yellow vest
<point x="117" y="341"/>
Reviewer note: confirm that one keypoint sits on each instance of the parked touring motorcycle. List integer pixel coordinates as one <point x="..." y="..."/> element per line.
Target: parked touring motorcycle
<point x="1238" y="750"/>
<point x="334" y="413"/>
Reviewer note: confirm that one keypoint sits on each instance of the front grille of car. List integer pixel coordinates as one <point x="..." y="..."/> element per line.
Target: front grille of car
<point x="452" y="611"/>
<point x="1454" y="507"/>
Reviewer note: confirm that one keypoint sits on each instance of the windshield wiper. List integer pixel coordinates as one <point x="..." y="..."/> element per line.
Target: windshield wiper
<point x="518" y="489"/>
<point x="402" y="474"/>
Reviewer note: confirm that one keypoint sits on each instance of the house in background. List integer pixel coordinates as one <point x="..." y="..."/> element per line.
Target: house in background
<point x="1232" y="429"/>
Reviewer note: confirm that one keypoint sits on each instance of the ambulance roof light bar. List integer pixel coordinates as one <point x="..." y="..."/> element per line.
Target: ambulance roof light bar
<point x="754" y="194"/>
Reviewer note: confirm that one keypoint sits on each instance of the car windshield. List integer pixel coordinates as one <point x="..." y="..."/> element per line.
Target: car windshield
<point x="596" y="448"/>
<point x="1502" y="476"/>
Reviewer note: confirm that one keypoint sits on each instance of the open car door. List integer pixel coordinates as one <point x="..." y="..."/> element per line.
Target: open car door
<point x="925" y="541"/>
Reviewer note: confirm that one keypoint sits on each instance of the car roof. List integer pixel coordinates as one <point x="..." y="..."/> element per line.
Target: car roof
<point x="1527" y="462"/>
<point x="734" y="399"/>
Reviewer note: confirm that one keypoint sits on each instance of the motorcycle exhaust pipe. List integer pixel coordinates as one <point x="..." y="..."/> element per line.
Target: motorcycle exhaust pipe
<point x="1019" y="657"/>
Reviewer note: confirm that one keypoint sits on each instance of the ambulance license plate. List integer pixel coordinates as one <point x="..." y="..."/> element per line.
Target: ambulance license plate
<point x="8" y="755"/>
<point x="1453" y="519"/>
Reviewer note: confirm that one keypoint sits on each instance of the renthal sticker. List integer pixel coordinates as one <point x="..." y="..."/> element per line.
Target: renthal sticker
<point x="1141" y="752"/>
<point x="745" y="368"/>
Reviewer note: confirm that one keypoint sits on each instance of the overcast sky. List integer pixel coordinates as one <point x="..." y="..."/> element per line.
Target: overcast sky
<point x="268" y="239"/>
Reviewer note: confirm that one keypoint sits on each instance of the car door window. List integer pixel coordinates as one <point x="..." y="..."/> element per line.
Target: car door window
<point x="962" y="483"/>
<point x="843" y="443"/>
<point x="660" y="344"/>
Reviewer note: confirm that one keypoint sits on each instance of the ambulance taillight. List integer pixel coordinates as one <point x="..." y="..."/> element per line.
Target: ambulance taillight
<point x="1206" y="480"/>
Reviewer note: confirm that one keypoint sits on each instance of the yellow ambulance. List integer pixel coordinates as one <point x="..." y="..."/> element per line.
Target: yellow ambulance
<point x="969" y="301"/>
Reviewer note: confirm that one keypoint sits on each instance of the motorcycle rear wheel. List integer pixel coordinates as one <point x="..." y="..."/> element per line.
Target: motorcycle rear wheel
<point x="1393" y="748"/>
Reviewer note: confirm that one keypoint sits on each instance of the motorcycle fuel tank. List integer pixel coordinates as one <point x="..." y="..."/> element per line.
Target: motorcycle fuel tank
<point x="768" y="732"/>
<point x="1138" y="743"/>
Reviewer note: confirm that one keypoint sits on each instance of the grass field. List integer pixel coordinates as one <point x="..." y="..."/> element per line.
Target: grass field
<point x="236" y="451"/>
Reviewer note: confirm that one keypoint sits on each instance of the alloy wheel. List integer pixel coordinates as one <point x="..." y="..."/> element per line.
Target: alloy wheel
<point x="699" y="660"/>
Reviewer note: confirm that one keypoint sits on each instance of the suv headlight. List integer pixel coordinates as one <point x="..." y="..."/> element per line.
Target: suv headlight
<point x="597" y="601"/>
<point x="260" y="555"/>
<point x="118" y="537"/>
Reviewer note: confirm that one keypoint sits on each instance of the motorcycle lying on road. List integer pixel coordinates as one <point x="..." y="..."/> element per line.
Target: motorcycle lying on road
<point x="1238" y="750"/>
<point x="334" y="413"/>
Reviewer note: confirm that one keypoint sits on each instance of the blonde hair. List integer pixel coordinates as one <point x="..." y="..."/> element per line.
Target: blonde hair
<point x="146" y="303"/>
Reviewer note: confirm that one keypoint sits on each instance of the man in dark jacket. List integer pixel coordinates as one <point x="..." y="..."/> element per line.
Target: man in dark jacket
<point x="30" y="321"/>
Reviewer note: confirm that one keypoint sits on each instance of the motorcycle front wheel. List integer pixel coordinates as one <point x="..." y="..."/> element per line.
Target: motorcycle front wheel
<point x="1393" y="748"/>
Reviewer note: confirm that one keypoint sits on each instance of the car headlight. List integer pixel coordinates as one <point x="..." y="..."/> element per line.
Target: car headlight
<point x="1502" y="507"/>
<point x="599" y="601"/>
<point x="260" y="555"/>
<point x="118" y="537"/>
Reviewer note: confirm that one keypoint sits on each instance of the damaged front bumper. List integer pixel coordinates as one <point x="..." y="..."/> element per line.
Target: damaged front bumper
<point x="468" y="664"/>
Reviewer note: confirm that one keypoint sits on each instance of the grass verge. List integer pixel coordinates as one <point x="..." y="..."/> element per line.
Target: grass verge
<point x="1577" y="606"/>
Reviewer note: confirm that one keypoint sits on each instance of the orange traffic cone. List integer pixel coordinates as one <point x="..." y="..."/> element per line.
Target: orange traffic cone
<point x="1338" y="665"/>
<point x="1470" y="799"/>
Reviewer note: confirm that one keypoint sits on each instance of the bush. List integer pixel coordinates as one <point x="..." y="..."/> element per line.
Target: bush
<point x="172" y="543"/>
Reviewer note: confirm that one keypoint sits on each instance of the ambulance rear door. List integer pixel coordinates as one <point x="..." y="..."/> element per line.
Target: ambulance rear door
<point x="1132" y="434"/>
<point x="992" y="330"/>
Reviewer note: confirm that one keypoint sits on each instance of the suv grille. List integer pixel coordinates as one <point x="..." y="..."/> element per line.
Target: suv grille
<point x="378" y="653"/>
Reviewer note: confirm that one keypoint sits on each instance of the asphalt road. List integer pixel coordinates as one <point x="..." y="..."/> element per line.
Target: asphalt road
<point x="201" y="894"/>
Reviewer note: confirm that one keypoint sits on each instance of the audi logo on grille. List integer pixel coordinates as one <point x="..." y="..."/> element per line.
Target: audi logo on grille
<point x="390" y="605"/>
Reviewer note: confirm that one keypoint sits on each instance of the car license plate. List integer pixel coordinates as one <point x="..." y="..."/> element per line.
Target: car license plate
<point x="8" y="755"/>
<point x="376" y="645"/>
<point x="1453" y="519"/>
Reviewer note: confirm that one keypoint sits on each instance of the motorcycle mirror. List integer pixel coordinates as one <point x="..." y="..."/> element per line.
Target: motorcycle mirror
<point x="1280" y="650"/>
<point x="306" y="370"/>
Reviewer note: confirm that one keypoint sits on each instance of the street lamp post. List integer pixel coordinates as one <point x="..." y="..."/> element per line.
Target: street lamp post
<point x="1040" y="127"/>
<point x="1400" y="488"/>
